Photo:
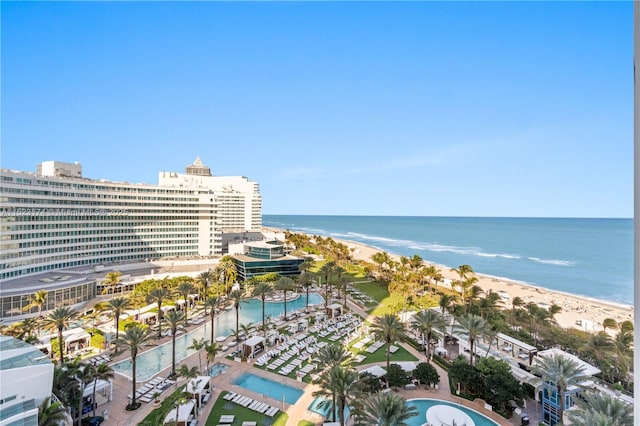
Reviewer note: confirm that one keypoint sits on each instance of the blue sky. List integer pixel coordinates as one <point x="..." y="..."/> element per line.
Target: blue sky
<point x="454" y="109"/>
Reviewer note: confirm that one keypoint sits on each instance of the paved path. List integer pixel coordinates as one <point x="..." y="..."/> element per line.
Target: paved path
<point x="118" y="416"/>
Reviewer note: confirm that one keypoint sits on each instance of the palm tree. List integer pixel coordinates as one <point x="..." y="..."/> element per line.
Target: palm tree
<point x="237" y="297"/>
<point x="326" y="271"/>
<point x="246" y="329"/>
<point x="385" y="409"/>
<point x="197" y="345"/>
<point x="332" y="355"/>
<point x="463" y="271"/>
<point x="51" y="413"/>
<point x="204" y="279"/>
<point x="213" y="302"/>
<point x="342" y="385"/>
<point x="601" y="409"/>
<point x="212" y="349"/>
<point x="623" y="351"/>
<point x="609" y="323"/>
<point x="39" y="299"/>
<point x="158" y="295"/>
<point x="559" y="372"/>
<point x="135" y="337"/>
<point x="425" y="322"/>
<point x="475" y="326"/>
<point x="390" y="329"/>
<point x="284" y="284"/>
<point x="516" y="303"/>
<point x="262" y="290"/>
<point x="59" y="319"/>
<point x="306" y="265"/>
<point x="112" y="279"/>
<point x="306" y="282"/>
<point x="118" y="305"/>
<point x="174" y="318"/>
<point x="228" y="268"/>
<point x="99" y="372"/>
<point x="184" y="290"/>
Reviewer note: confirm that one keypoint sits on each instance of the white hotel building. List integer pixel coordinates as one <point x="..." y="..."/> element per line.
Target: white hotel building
<point x="57" y="220"/>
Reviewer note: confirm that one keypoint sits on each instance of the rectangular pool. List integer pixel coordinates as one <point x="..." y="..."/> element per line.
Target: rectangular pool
<point x="268" y="387"/>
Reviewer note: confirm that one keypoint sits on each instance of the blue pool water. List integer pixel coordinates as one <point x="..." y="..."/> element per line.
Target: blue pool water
<point x="268" y="387"/>
<point x="218" y="368"/>
<point x="153" y="361"/>
<point x="324" y="411"/>
<point x="423" y="404"/>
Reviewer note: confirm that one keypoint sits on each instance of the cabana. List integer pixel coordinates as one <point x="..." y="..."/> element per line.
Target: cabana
<point x="104" y="391"/>
<point x="375" y="370"/>
<point x="182" y="415"/>
<point x="516" y="348"/>
<point x="334" y="310"/>
<point x="147" y="317"/>
<point x="407" y="366"/>
<point x="76" y="339"/>
<point x="200" y="388"/>
<point x="253" y="346"/>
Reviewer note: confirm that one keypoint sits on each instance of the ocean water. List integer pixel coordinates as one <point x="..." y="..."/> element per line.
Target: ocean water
<point x="588" y="257"/>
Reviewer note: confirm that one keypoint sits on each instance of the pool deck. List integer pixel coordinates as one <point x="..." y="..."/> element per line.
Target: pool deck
<point x="118" y="416"/>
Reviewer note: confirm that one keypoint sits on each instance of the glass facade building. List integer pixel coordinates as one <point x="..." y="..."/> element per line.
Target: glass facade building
<point x="266" y="257"/>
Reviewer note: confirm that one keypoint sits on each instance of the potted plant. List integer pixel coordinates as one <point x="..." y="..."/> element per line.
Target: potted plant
<point x="156" y="398"/>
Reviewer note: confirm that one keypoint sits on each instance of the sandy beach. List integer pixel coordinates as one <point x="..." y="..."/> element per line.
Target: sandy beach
<point x="577" y="312"/>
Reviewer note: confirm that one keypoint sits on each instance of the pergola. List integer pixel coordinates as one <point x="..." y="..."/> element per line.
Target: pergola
<point x="517" y="348"/>
<point x="334" y="310"/>
<point x="252" y="346"/>
<point x="182" y="415"/>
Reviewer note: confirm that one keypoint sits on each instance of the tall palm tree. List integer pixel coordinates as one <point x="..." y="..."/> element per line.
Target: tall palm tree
<point x="475" y="326"/>
<point x="112" y="279"/>
<point x="39" y="299"/>
<point x="262" y="290"/>
<point x="188" y="372"/>
<point x="229" y="271"/>
<point x="214" y="303"/>
<point x="306" y="265"/>
<point x="174" y="319"/>
<point x="51" y="413"/>
<point x="99" y="372"/>
<point x="158" y="295"/>
<point x="426" y="322"/>
<point x="59" y="319"/>
<point x="384" y="409"/>
<point x="118" y="305"/>
<point x="212" y="349"/>
<point x="623" y="351"/>
<point x="246" y="329"/>
<point x="284" y="284"/>
<point x="184" y="290"/>
<point x="601" y="409"/>
<point x="204" y="279"/>
<point x="390" y="329"/>
<point x="237" y="297"/>
<point x="332" y="355"/>
<point x="342" y="385"/>
<point x="197" y="345"/>
<point x="326" y="272"/>
<point x="134" y="338"/>
<point x="463" y="271"/>
<point x="516" y="303"/>
<point x="306" y="282"/>
<point x="559" y="372"/>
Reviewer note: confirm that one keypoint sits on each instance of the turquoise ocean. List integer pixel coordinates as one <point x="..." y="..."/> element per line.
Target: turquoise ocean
<point x="587" y="257"/>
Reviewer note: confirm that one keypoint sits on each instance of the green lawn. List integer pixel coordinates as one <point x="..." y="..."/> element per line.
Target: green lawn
<point x="381" y="355"/>
<point x="241" y="413"/>
<point x="156" y="417"/>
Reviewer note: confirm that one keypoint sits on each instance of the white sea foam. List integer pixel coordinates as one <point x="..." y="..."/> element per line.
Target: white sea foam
<point x="552" y="261"/>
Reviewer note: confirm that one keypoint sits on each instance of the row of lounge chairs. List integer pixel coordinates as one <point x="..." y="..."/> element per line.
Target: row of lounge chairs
<point x="157" y="385"/>
<point x="255" y="405"/>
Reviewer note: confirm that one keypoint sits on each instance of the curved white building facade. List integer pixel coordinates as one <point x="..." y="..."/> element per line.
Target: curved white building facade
<point x="56" y="219"/>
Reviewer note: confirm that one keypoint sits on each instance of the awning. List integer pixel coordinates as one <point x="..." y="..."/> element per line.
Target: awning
<point x="253" y="341"/>
<point x="375" y="370"/>
<point x="183" y="412"/>
<point x="198" y="384"/>
<point x="407" y="366"/>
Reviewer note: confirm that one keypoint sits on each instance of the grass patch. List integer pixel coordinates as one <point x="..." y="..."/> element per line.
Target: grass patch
<point x="305" y="423"/>
<point x="381" y="355"/>
<point x="375" y="290"/>
<point x="241" y="413"/>
<point x="97" y="340"/>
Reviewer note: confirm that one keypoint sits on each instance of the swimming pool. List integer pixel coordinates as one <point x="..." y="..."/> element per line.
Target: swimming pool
<point x="152" y="361"/>
<point x="324" y="411"/>
<point x="268" y="387"/>
<point x="423" y="404"/>
<point x="218" y="368"/>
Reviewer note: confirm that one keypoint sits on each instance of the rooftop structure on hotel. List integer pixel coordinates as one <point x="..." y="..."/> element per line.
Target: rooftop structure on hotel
<point x="264" y="257"/>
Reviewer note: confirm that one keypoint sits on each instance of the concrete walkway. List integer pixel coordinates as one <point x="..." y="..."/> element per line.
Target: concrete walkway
<point x="118" y="416"/>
